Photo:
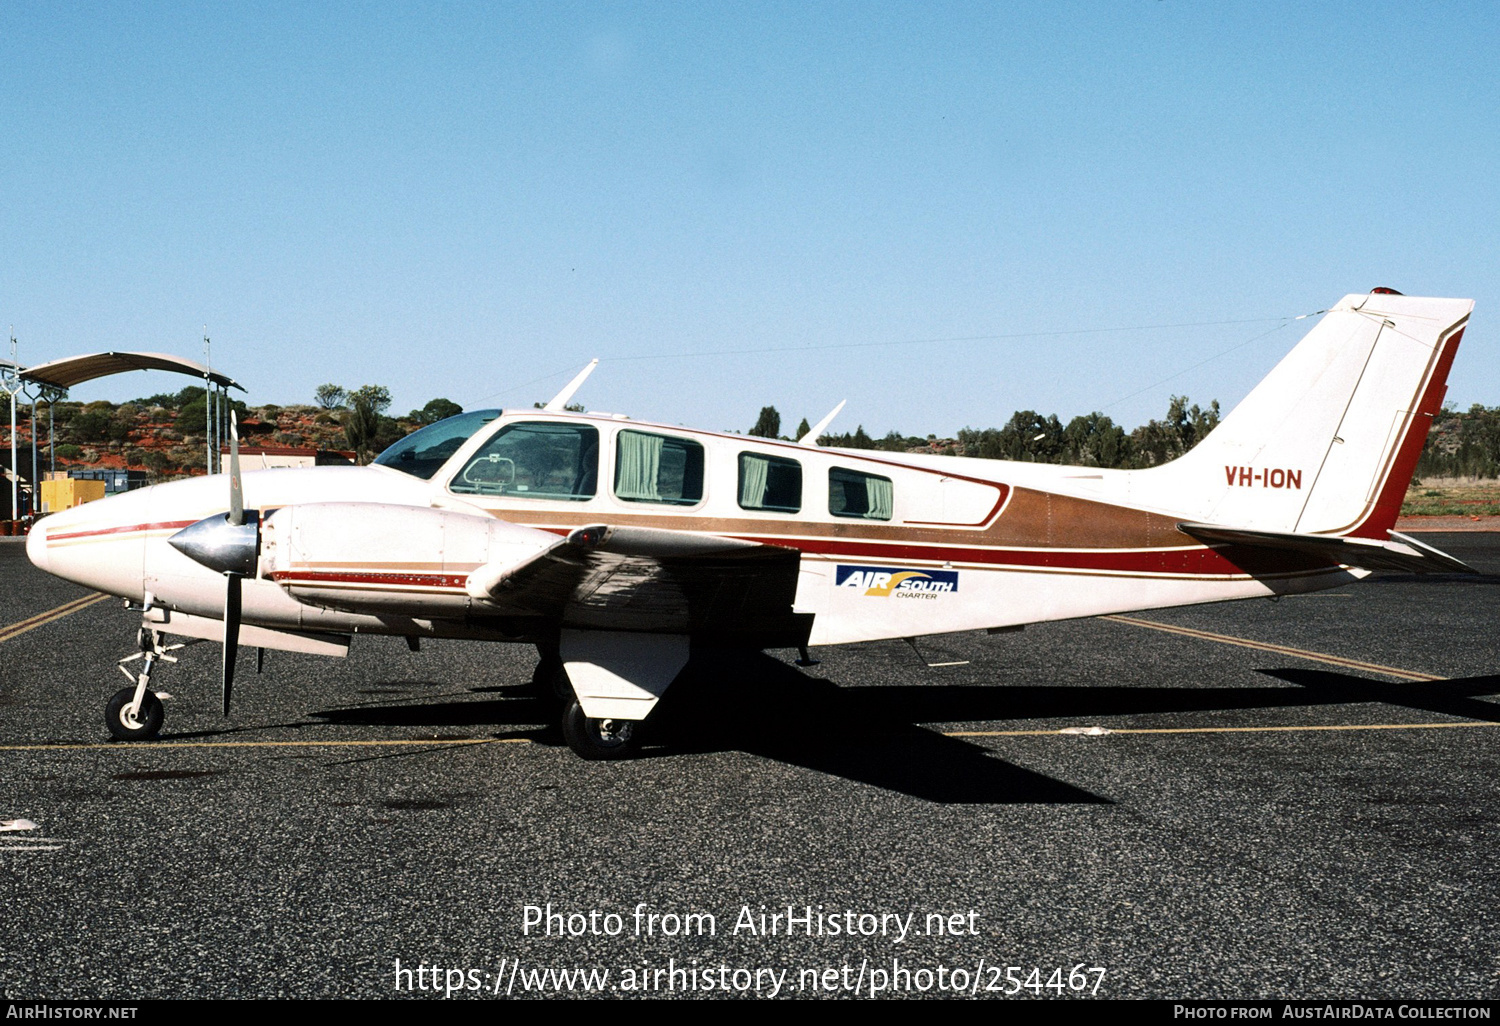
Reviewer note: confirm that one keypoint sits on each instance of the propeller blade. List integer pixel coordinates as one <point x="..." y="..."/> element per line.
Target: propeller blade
<point x="231" y="632"/>
<point x="236" y="491"/>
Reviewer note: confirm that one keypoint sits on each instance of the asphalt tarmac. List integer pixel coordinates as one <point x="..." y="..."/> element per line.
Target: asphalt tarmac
<point x="1255" y="822"/>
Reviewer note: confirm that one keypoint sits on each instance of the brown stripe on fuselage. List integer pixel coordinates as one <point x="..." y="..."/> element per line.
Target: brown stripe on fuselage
<point x="1045" y="520"/>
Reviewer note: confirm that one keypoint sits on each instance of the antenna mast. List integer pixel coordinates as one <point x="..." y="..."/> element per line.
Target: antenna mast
<point x="208" y="404"/>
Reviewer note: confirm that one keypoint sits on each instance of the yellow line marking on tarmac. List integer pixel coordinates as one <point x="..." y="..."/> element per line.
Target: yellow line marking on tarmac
<point x="115" y="746"/>
<point x="1225" y="730"/>
<point x="67" y="608"/>
<point x="1263" y="646"/>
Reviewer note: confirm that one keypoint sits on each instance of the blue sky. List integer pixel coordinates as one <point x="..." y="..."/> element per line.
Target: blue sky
<point x="461" y="199"/>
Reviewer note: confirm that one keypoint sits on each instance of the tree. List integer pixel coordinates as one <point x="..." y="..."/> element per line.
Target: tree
<point x="803" y="428"/>
<point x="193" y="414"/>
<point x="1093" y="440"/>
<point x="1161" y="441"/>
<point x="858" y="440"/>
<point x="768" y="425"/>
<point x="331" y="396"/>
<point x="378" y="397"/>
<point x="436" y="410"/>
<point x="89" y="426"/>
<point x="363" y="422"/>
<point x="1463" y="444"/>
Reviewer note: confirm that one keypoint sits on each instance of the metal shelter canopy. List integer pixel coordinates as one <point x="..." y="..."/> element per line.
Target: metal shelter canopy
<point x="74" y="370"/>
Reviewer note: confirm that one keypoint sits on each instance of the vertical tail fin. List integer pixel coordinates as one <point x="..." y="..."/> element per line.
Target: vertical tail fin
<point x="1327" y="443"/>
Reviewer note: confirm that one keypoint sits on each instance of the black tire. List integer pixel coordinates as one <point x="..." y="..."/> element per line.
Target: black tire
<point x="598" y="740"/>
<point x="147" y="723"/>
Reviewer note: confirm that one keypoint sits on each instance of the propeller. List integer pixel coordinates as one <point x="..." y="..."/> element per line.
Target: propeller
<point x="236" y="518"/>
<point x="231" y="632"/>
<point x="228" y="543"/>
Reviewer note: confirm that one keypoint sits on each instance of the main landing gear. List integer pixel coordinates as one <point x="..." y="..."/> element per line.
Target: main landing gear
<point x="599" y="739"/>
<point x="135" y="713"/>
<point x="590" y="738"/>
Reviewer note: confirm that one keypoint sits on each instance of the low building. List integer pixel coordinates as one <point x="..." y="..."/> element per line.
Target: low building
<point x="267" y="457"/>
<point x="116" y="479"/>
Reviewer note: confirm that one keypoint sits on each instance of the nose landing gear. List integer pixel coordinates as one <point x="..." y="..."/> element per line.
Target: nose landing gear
<point x="135" y="713"/>
<point x="133" y="719"/>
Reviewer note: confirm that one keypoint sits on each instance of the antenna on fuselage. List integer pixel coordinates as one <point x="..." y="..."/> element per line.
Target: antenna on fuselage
<point x="811" y="438"/>
<point x="560" y="400"/>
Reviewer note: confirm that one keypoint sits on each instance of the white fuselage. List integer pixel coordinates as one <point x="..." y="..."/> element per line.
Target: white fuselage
<point x="933" y="544"/>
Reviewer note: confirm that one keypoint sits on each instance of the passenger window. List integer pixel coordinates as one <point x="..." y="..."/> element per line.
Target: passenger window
<point x="535" y="461"/>
<point x="852" y="494"/>
<point x="658" y="468"/>
<point x="770" y="483"/>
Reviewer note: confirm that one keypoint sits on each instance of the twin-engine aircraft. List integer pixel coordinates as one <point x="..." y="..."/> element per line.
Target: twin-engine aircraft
<point x="616" y="547"/>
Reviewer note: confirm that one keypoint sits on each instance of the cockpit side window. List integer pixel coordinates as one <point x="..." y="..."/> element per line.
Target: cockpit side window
<point x="423" y="453"/>
<point x="535" y="461"/>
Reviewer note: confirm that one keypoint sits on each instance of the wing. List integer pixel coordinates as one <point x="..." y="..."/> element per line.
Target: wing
<point x="716" y="589"/>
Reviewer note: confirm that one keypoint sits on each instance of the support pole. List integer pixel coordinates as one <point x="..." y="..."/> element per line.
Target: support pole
<point x="36" y="488"/>
<point x="15" y="480"/>
<point x="208" y="404"/>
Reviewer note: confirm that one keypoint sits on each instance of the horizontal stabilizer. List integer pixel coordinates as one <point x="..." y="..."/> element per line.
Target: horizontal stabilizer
<point x="1401" y="553"/>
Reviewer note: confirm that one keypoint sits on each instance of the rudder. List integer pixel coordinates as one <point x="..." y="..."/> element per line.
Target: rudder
<point x="1328" y="441"/>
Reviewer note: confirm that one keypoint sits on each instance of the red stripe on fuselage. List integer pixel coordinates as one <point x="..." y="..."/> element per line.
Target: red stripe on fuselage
<point x="370" y="577"/>
<point x="164" y="526"/>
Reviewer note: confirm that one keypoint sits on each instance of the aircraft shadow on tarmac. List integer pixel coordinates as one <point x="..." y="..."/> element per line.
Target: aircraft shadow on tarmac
<point x="1429" y="580"/>
<point x="1454" y="697"/>
<point x="874" y="734"/>
<point x="764" y="707"/>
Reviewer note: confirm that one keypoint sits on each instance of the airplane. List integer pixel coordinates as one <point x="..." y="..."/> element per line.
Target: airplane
<point x="617" y="547"/>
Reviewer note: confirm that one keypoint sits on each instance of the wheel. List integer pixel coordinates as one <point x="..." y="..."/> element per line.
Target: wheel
<point x="143" y="726"/>
<point x="599" y="739"/>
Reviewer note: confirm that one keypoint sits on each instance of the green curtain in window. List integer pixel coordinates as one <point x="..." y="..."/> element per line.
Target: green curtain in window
<point x="639" y="466"/>
<point x="753" y="474"/>
<point x="882" y="500"/>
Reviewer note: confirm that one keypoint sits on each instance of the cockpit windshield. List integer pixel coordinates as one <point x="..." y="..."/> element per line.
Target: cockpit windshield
<point x="421" y="453"/>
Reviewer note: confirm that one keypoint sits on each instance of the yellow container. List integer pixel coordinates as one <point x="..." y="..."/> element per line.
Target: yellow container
<point x="60" y="495"/>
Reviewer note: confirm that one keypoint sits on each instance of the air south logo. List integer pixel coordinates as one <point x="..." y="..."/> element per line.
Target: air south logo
<point x="887" y="582"/>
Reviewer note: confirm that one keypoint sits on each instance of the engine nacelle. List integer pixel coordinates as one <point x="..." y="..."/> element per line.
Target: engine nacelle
<point x="364" y="557"/>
